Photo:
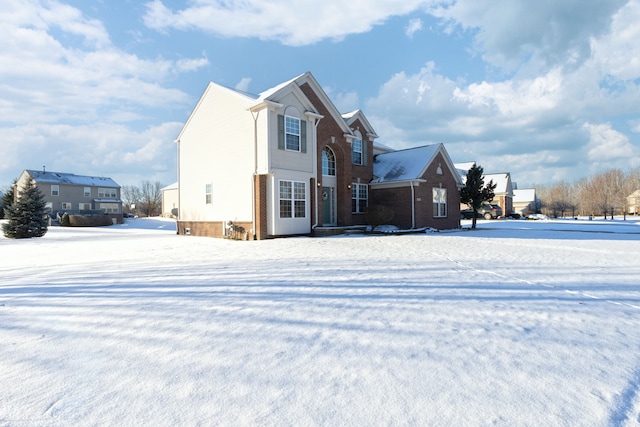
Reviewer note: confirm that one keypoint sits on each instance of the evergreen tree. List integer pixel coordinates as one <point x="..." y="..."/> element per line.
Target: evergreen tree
<point x="475" y="193"/>
<point x="27" y="215"/>
<point x="7" y="199"/>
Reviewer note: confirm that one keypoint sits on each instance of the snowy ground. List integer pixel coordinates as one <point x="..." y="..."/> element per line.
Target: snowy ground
<point x="517" y="323"/>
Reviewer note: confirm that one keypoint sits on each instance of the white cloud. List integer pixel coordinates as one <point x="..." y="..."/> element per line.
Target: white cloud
<point x="618" y="52"/>
<point x="114" y="150"/>
<point x="518" y="35"/>
<point x="243" y="84"/>
<point x="280" y="19"/>
<point x="606" y="144"/>
<point x="56" y="80"/>
<point x="413" y="27"/>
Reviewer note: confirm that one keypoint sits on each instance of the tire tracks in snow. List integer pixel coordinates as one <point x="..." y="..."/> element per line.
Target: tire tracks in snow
<point x="466" y="266"/>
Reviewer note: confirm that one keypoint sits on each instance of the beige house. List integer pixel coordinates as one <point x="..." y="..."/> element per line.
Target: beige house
<point x="633" y="202"/>
<point x="67" y="192"/>
<point x="170" y="200"/>
<point x="283" y="162"/>
<point x="503" y="191"/>
<point x="524" y="201"/>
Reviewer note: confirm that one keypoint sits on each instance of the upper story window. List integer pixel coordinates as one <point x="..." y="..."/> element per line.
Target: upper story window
<point x="107" y="193"/>
<point x="207" y="194"/>
<point x="328" y="162"/>
<point x="292" y="133"/>
<point x="55" y="190"/>
<point x="358" y="150"/>
<point x="87" y="191"/>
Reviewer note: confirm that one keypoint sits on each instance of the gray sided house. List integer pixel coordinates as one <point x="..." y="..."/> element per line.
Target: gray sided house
<point x="79" y="194"/>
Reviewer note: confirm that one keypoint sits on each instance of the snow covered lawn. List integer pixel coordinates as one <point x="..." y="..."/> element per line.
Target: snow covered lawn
<point x="517" y="323"/>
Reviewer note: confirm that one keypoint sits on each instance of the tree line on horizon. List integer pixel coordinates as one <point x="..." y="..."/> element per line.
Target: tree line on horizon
<point x="602" y="194"/>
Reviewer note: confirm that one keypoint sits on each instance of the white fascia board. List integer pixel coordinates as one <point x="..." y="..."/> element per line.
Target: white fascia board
<point x="397" y="184"/>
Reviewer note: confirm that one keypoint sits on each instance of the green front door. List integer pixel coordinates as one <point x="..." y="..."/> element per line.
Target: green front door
<point x="328" y="217"/>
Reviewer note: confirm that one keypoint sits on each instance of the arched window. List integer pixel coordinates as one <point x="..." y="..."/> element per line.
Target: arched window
<point x="328" y="162"/>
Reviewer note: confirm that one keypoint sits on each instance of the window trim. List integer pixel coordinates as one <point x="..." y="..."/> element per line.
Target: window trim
<point x="293" y="204"/>
<point x="355" y="152"/>
<point x="288" y="130"/>
<point x="330" y="157"/>
<point x="356" y="200"/>
<point x="440" y="208"/>
<point x="55" y="190"/>
<point x="208" y="194"/>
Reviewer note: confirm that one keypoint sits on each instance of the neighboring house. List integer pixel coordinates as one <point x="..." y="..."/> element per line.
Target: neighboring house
<point x="633" y="202"/>
<point x="524" y="201"/>
<point x="67" y="192"/>
<point x="503" y="192"/>
<point x="284" y="162"/>
<point x="170" y="200"/>
<point x="420" y="184"/>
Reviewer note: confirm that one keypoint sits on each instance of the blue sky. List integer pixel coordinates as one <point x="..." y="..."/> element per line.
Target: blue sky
<point x="546" y="90"/>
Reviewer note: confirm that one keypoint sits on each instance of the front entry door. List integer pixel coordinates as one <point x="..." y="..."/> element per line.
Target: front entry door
<point x="328" y="206"/>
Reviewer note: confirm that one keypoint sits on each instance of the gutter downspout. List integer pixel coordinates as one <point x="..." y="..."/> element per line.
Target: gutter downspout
<point x="255" y="172"/>
<point x="413" y="205"/>
<point x="315" y="162"/>
<point x="177" y="141"/>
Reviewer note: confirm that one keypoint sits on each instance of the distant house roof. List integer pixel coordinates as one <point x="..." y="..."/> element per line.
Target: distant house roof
<point x="173" y="186"/>
<point x="71" y="179"/>
<point x="524" y="195"/>
<point x="502" y="181"/>
<point x="405" y="165"/>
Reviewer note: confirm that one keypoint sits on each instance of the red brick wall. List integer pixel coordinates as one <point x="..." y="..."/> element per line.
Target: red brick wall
<point x="399" y="199"/>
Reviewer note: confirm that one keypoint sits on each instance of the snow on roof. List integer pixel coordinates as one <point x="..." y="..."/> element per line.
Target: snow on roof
<point x="500" y="179"/>
<point x="403" y="165"/>
<point x="524" y="195"/>
<point x="173" y="186"/>
<point x="350" y="114"/>
<point x="71" y="179"/>
<point x="267" y="93"/>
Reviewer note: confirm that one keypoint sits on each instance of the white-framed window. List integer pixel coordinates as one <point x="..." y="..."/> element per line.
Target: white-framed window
<point x="439" y="202"/>
<point x="207" y="194"/>
<point x="328" y="162"/>
<point x="359" y="198"/>
<point x="87" y="191"/>
<point x="49" y="206"/>
<point x="293" y="199"/>
<point x="109" y="193"/>
<point x="292" y="133"/>
<point x="55" y="190"/>
<point x="109" y="207"/>
<point x="66" y="205"/>
<point x="356" y="151"/>
<point x="84" y="206"/>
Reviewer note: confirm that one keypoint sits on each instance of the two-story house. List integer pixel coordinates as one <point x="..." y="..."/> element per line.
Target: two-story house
<point x="67" y="192"/>
<point x="280" y="163"/>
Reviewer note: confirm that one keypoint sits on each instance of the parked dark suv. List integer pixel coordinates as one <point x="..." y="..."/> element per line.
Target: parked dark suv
<point x="486" y="211"/>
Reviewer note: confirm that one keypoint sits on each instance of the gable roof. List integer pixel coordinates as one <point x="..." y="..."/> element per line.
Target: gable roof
<point x="355" y="115"/>
<point x="502" y="181"/>
<point x="70" y="179"/>
<point x="295" y="85"/>
<point x="524" y="195"/>
<point x="408" y="164"/>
